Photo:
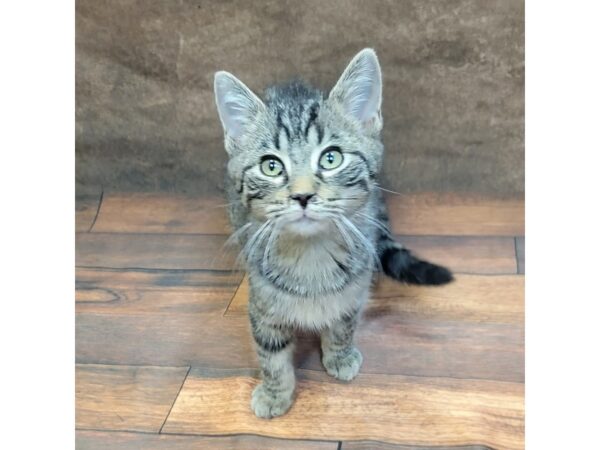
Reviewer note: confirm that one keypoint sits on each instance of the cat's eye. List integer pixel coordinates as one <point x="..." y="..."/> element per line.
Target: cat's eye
<point x="331" y="158"/>
<point x="271" y="166"/>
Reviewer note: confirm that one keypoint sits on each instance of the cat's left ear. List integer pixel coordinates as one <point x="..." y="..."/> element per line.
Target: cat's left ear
<point x="359" y="89"/>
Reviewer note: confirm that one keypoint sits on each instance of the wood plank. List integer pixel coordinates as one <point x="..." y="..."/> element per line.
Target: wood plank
<point x="408" y="346"/>
<point x="465" y="254"/>
<point x="520" y="249"/>
<point x="471" y="298"/>
<point x="162" y="213"/>
<point x="411" y="214"/>
<point x="157" y="279"/>
<point x="373" y="445"/>
<point x="139" y="292"/>
<point x="86" y="207"/>
<point x="154" y="251"/>
<point x="163" y="339"/>
<point x="451" y="214"/>
<point x="390" y="344"/>
<point x="390" y="408"/>
<point x="125" y="397"/>
<point x="472" y="328"/>
<point x="101" y="440"/>
<point x="96" y="295"/>
<point x="486" y="255"/>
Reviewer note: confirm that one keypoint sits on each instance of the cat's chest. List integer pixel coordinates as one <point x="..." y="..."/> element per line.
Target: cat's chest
<point x="310" y="285"/>
<point x="317" y="268"/>
<point x="309" y="312"/>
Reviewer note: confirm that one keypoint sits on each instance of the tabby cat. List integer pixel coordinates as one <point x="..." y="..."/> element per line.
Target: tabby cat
<point x="302" y="183"/>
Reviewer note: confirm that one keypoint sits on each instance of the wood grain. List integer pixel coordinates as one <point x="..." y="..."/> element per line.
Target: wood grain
<point x="157" y="279"/>
<point x="163" y="251"/>
<point x="162" y="213"/>
<point x="125" y="397"/>
<point x="443" y="366"/>
<point x="164" y="339"/>
<point x="92" y="295"/>
<point x="463" y="254"/>
<point x="372" y="445"/>
<point x="411" y="346"/>
<point x="154" y="251"/>
<point x="450" y="214"/>
<point x="446" y="214"/>
<point x="102" y="440"/>
<point x="471" y="298"/>
<point x="410" y="411"/>
<point x="137" y="292"/>
<point x="520" y="249"/>
<point x="437" y="340"/>
<point x="86" y="207"/>
<point x="472" y="328"/>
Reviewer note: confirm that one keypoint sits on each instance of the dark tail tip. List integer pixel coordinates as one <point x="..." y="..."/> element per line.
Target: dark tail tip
<point x="401" y="265"/>
<point x="423" y="272"/>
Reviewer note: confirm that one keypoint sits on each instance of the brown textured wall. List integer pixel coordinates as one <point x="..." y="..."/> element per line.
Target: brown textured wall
<point x="453" y="85"/>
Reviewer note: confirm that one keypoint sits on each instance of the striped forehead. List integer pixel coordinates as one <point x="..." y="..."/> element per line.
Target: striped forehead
<point x="298" y="130"/>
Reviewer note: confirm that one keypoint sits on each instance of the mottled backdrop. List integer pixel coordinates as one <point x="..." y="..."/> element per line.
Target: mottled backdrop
<point x="453" y="85"/>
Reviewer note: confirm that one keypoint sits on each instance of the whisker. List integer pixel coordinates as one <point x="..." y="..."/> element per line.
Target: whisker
<point x="224" y="205"/>
<point x="374" y="221"/>
<point x="343" y="198"/>
<point x="365" y="241"/>
<point x="233" y="239"/>
<point x="275" y="214"/>
<point x="257" y="239"/>
<point x="390" y="191"/>
<point x="267" y="252"/>
<point x="344" y="234"/>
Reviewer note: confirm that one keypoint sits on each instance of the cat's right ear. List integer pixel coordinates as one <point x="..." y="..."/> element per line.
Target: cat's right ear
<point x="358" y="90"/>
<point x="237" y="105"/>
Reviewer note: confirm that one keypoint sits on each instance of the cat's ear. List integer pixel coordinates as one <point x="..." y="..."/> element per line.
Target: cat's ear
<point x="359" y="89"/>
<point x="236" y="103"/>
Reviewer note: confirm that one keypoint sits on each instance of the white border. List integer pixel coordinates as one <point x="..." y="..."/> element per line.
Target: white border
<point x="37" y="226"/>
<point x="562" y="216"/>
<point x="37" y="223"/>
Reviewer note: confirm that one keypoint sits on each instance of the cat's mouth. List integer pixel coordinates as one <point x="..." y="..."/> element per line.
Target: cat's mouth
<point x="305" y="222"/>
<point x="305" y="215"/>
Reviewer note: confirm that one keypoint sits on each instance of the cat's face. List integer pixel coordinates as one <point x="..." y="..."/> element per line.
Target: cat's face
<point x="298" y="159"/>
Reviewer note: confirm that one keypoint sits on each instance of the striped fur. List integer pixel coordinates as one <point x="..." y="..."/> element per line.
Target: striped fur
<point x="312" y="236"/>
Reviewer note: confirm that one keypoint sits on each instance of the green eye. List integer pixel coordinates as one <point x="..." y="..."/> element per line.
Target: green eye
<point x="331" y="158"/>
<point x="271" y="167"/>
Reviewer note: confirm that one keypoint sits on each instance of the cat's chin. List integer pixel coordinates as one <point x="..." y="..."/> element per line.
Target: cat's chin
<point x="305" y="226"/>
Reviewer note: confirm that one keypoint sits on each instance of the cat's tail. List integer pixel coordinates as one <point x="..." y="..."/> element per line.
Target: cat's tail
<point x="399" y="263"/>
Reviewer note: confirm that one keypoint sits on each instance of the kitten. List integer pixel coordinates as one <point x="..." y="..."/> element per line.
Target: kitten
<point x="302" y="183"/>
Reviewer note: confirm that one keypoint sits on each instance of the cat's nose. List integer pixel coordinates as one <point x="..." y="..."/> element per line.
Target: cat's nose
<point x="302" y="198"/>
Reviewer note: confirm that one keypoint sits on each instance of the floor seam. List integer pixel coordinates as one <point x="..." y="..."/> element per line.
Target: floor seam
<point x="175" y="400"/>
<point x="97" y="211"/>
<point x="233" y="296"/>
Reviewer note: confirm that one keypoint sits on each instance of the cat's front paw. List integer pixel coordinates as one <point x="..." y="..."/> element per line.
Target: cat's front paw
<point x="267" y="405"/>
<point x="343" y="365"/>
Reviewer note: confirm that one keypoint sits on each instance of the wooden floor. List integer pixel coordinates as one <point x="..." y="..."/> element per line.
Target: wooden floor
<point x="165" y="358"/>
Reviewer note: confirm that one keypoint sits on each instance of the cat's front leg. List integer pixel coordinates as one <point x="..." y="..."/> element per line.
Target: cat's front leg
<point x="341" y="358"/>
<point x="275" y="348"/>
